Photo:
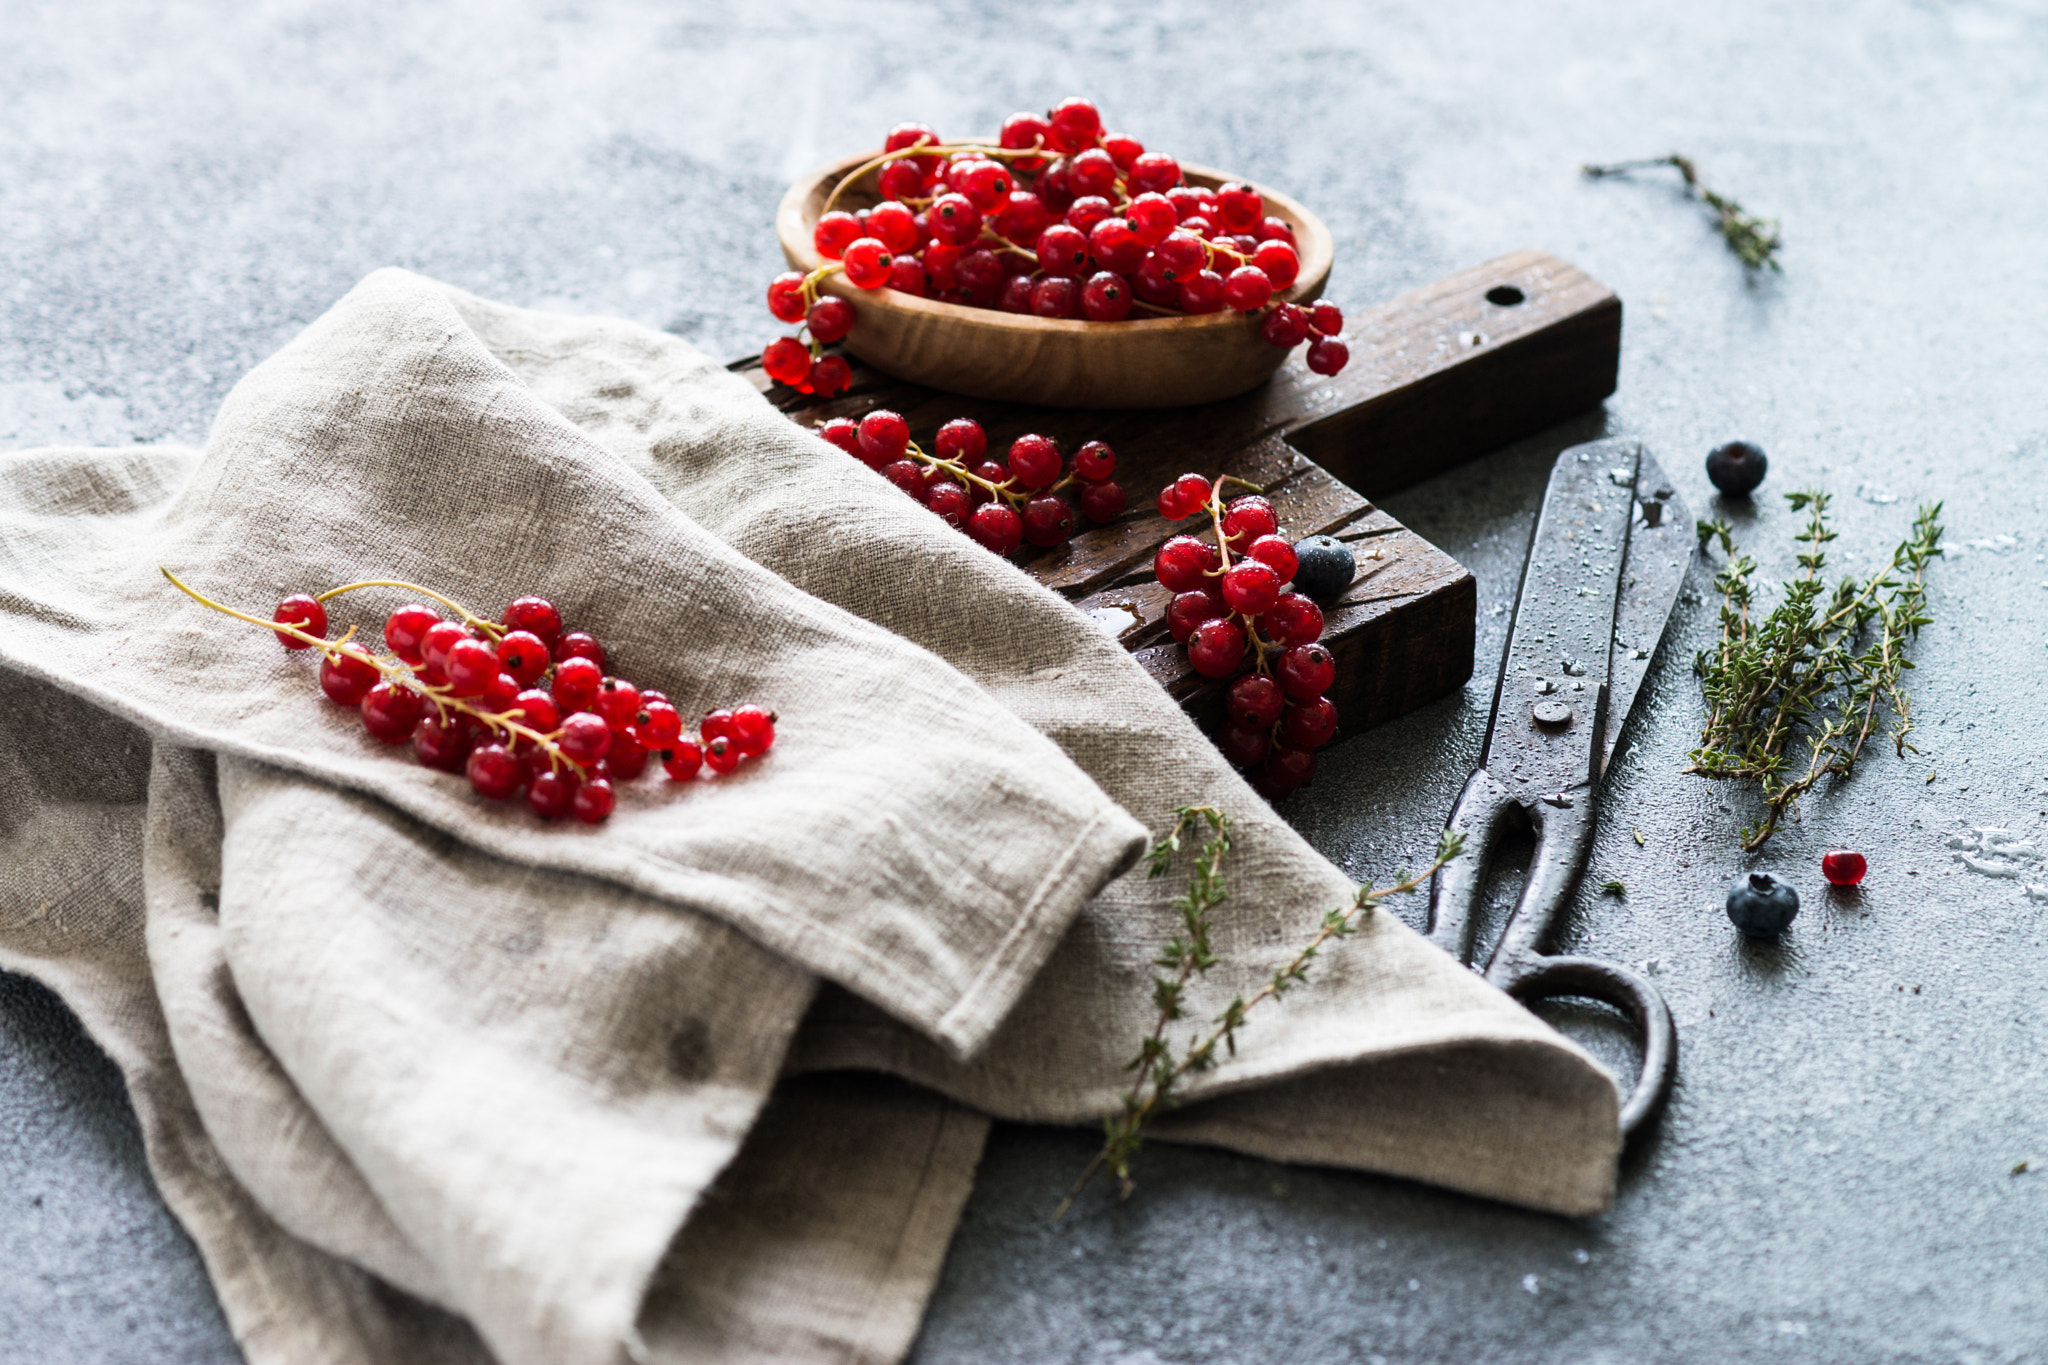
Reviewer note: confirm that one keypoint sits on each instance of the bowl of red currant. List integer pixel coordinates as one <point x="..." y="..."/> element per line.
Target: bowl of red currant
<point x="1056" y="264"/>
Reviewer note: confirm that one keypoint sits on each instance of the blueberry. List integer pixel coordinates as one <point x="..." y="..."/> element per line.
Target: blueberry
<point x="1323" y="566"/>
<point x="1761" y="906"/>
<point x="1737" y="468"/>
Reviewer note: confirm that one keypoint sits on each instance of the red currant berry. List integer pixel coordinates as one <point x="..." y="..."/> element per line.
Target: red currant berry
<point x="1152" y="285"/>
<point x="1062" y="251"/>
<point x="997" y="528"/>
<point x="786" y="361"/>
<point x="1183" y="564"/>
<point x="1250" y="587"/>
<point x="953" y="220"/>
<point x="939" y="263"/>
<point x="907" y="476"/>
<point x="1843" y="868"/>
<point x="471" y="666"/>
<point x="1022" y="217"/>
<point x="867" y="263"/>
<point x="576" y="682"/>
<point x="716" y="725"/>
<point x="305" y="612"/>
<point x="1035" y="460"/>
<point x="1102" y="499"/>
<point x="1057" y="297"/>
<point x="1086" y="213"/>
<point x="584" y="738"/>
<point x="1286" y="327"/>
<point x="994" y="473"/>
<point x="390" y="711"/>
<point x="884" y="435"/>
<point x="1106" y="297"/>
<point x="1326" y="318"/>
<point x="1309" y="724"/>
<point x="894" y="226"/>
<point x="721" y="755"/>
<point x="1123" y="149"/>
<point x="1327" y="355"/>
<point x="552" y="795"/>
<point x="625" y="759"/>
<point x="1287" y="768"/>
<point x="536" y="710"/>
<point x="1306" y="671"/>
<point x="907" y="277"/>
<point x="985" y="183"/>
<point x="1093" y="172"/>
<point x="658" y="725"/>
<point x="346" y="675"/>
<point x="535" y="616"/>
<point x="682" y="759"/>
<point x="1239" y="207"/>
<point x="835" y="232"/>
<point x="1188" y="202"/>
<point x="753" y="729"/>
<point x="1202" y="292"/>
<point x="1190" y="609"/>
<point x="1017" y="294"/>
<point x="1151" y="217"/>
<point x="407" y="628"/>
<point x="441" y="637"/>
<point x="1192" y="492"/>
<point x="950" y="503"/>
<point x="1094" y="460"/>
<point x="911" y="135"/>
<point x="1216" y="648"/>
<point x="1181" y="256"/>
<point x="1278" y="262"/>
<point x="1294" y="620"/>
<point x="829" y="320"/>
<point x="1075" y="124"/>
<point x="1254" y="702"/>
<point x="580" y="645"/>
<point x="1198" y="226"/>
<point x="1048" y="521"/>
<point x="1247" y="290"/>
<point x="1153" y="173"/>
<point x="593" y="801"/>
<point x="443" y="741"/>
<point x="903" y="179"/>
<point x="499" y="698"/>
<point x="1271" y="229"/>
<point x="1245" y="747"/>
<point x="1247" y="518"/>
<point x="1276" y="554"/>
<point x="524" y="655"/>
<point x="961" y="439"/>
<point x="495" y="771"/>
<point x="786" y="297"/>
<point x="1022" y="132"/>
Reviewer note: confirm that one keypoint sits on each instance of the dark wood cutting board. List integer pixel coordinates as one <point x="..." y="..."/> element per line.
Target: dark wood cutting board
<point x="1437" y="376"/>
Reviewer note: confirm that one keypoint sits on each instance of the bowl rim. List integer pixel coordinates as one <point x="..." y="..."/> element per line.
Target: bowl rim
<point x="794" y="228"/>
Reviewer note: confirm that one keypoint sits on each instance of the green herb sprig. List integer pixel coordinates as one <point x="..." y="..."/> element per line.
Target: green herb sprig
<point x="1816" y="674"/>
<point x="1160" y="1070"/>
<point x="1754" y="240"/>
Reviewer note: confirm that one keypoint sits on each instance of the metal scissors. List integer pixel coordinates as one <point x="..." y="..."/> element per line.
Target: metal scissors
<point x="1609" y="552"/>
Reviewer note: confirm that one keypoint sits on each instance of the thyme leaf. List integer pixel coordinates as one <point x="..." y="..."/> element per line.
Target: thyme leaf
<point x="1754" y="240"/>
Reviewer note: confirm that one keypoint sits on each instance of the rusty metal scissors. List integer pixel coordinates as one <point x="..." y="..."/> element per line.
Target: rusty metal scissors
<point x="1609" y="552"/>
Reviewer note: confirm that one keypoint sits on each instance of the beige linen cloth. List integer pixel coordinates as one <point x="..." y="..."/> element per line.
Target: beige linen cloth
<point x="430" y="1082"/>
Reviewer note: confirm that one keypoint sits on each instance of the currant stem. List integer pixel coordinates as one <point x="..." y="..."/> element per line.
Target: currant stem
<point x="469" y="618"/>
<point x="923" y="148"/>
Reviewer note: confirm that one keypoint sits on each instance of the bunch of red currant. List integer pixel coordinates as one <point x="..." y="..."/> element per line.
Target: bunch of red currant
<point x="514" y="704"/>
<point x="1001" y="506"/>
<point x="1231" y="604"/>
<point x="1059" y="220"/>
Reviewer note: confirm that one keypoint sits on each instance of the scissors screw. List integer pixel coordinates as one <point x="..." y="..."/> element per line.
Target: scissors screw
<point x="1552" y="713"/>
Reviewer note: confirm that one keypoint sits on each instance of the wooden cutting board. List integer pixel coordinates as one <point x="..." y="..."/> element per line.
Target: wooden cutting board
<point x="1437" y="376"/>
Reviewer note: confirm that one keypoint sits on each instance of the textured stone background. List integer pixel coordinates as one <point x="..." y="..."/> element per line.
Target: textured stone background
<point x="184" y="186"/>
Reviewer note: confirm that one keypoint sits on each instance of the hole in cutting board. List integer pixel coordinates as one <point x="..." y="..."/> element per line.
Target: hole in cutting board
<point x="1504" y="295"/>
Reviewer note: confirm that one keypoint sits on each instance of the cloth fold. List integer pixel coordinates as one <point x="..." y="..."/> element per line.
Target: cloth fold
<point x="427" y="1081"/>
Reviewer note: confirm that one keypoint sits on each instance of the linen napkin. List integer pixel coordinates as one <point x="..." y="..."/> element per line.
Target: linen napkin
<point x="426" y="1080"/>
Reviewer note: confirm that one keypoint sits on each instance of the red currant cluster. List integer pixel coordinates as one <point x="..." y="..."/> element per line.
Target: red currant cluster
<point x="514" y="704"/>
<point x="1094" y="230"/>
<point x="1230" y="603"/>
<point x="1001" y="506"/>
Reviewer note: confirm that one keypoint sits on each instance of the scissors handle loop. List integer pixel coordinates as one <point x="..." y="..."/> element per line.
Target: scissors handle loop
<point x="1535" y="976"/>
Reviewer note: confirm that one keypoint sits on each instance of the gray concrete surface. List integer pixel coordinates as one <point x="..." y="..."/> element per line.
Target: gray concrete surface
<point x="183" y="187"/>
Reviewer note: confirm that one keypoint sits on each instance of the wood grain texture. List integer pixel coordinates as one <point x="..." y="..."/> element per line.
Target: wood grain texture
<point x="1437" y="376"/>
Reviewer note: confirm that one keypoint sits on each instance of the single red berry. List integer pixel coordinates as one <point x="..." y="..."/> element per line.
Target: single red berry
<point x="831" y="375"/>
<point x="1056" y="297"/>
<point x="1062" y="250"/>
<point x="305" y="612"/>
<point x="1326" y="318"/>
<point x="867" y="263"/>
<point x="1035" y="460"/>
<point x="1094" y="460"/>
<point x="625" y="759"/>
<point x="753" y="729"/>
<point x="1075" y="124"/>
<point x="1048" y="521"/>
<point x="1309" y="724"/>
<point x="950" y="503"/>
<point x="593" y="801"/>
<point x="1254" y="702"/>
<point x="721" y="755"/>
<point x="1250" y="587"/>
<point x="835" y="232"/>
<point x="842" y="432"/>
<point x="1286" y="327"/>
<point x="981" y="276"/>
<point x="648" y="694"/>
<point x="911" y="135"/>
<point x="1247" y="289"/>
<point x="576" y="682"/>
<point x="1276" y="554"/>
<point x="536" y="710"/>
<point x="1188" y="201"/>
<point x="906" y="475"/>
<point x="1021" y="132"/>
<point x="1245" y="747"/>
<point x="584" y="738"/>
<point x="1271" y="229"/>
<point x="503" y="692"/>
<point x="552" y="794"/>
<point x="830" y="319"/>
<point x="579" y="644"/>
<point x="441" y="637"/>
<point x="997" y="528"/>
<point x="536" y="616"/>
<point x="961" y="439"/>
<point x="1151" y="217"/>
<point x="1306" y="671"/>
<point x="618" y="702"/>
<point x="1017" y="293"/>
<point x="786" y="361"/>
<point x="1216" y="648"/>
<point x="985" y="183"/>
<point x="658" y="725"/>
<point x="894" y="226"/>
<point x="1180" y="256"/>
<point x="884" y="435"/>
<point x="1085" y="213"/>
<point x="1239" y="206"/>
<point x="1278" y="262"/>
<point x="1327" y="355"/>
<point x="1842" y="867"/>
<point x="471" y="666"/>
<point x="786" y="297"/>
<point x="1022" y="216"/>
<point x="1294" y="620"/>
<point x="1202" y="292"/>
<point x="1287" y="768"/>
<point x="390" y="711"/>
<point x="524" y="655"/>
<point x="1247" y="518"/>
<point x="1153" y="173"/>
<point x="346" y="675"/>
<point x="1123" y="149"/>
<point x="682" y="759"/>
<point x="1183" y="564"/>
<point x="1092" y="172"/>
<point x="407" y="628"/>
<point x="1198" y="226"/>
<point x="1106" y="297"/>
<point x="1102" y="499"/>
<point x="1190" y="609"/>
<point x="716" y="725"/>
<point x="903" y="179"/>
<point x="443" y="741"/>
<point x="953" y="220"/>
<point x="994" y="473"/>
<point x="495" y="771"/>
<point x="907" y="276"/>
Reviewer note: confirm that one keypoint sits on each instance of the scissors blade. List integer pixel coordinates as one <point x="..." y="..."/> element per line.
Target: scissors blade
<point x="1661" y="545"/>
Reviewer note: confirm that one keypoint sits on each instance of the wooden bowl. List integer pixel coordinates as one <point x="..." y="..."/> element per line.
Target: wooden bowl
<point x="1150" y="362"/>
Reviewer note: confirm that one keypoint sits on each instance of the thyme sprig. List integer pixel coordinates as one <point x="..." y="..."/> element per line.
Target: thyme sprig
<point x="1817" y="674"/>
<point x="1160" y="1070"/>
<point x="1754" y="240"/>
